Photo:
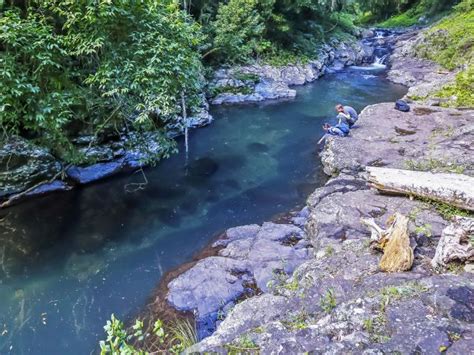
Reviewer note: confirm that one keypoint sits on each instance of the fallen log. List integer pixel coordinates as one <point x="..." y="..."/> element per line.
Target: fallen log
<point x="454" y="189"/>
<point x="456" y="243"/>
<point x="393" y="241"/>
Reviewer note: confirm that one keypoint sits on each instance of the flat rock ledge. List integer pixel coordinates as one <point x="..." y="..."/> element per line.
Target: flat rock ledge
<point x="338" y="301"/>
<point x="426" y="138"/>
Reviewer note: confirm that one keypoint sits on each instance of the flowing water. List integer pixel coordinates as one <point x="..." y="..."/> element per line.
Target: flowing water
<point x="69" y="260"/>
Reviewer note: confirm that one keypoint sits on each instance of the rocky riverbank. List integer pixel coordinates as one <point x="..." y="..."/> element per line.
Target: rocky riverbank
<point x="28" y="170"/>
<point x="254" y="83"/>
<point x="282" y="288"/>
<point x="423" y="77"/>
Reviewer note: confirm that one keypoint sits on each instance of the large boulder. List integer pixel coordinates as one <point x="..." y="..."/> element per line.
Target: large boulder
<point x="23" y="165"/>
<point x="253" y="260"/>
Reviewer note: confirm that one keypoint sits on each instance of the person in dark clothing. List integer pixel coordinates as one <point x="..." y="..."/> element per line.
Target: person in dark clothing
<point x="347" y="114"/>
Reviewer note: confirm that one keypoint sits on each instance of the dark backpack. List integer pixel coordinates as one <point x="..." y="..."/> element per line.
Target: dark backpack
<point x="401" y="105"/>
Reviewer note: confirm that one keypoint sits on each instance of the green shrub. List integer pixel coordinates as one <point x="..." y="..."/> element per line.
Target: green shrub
<point x="238" y="30"/>
<point x="451" y="42"/>
<point x="71" y="66"/>
<point x="461" y="92"/>
<point x="328" y="302"/>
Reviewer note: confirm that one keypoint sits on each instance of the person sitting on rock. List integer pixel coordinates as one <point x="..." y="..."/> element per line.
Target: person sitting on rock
<point x="341" y="129"/>
<point x="347" y="114"/>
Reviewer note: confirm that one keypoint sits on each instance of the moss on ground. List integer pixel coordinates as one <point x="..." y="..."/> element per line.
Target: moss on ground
<point x="461" y="92"/>
<point x="406" y="19"/>
<point x="451" y="41"/>
<point x="451" y="44"/>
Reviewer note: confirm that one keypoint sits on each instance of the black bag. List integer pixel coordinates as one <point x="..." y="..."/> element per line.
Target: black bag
<point x="401" y="105"/>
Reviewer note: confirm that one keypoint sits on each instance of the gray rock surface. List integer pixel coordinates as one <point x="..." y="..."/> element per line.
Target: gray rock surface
<point x="23" y="165"/>
<point x="252" y="259"/>
<point x="422" y="76"/>
<point x="339" y="302"/>
<point x="87" y="174"/>
<point x="426" y="138"/>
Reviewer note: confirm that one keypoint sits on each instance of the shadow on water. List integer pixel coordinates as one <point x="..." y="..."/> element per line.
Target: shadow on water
<point x="69" y="260"/>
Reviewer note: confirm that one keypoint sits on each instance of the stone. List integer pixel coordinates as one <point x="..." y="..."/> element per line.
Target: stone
<point x="251" y="254"/>
<point x="243" y="317"/>
<point x="424" y="77"/>
<point x="275" y="82"/>
<point x="91" y="173"/>
<point x="54" y="186"/>
<point x="337" y="300"/>
<point x="207" y="286"/>
<point x="23" y="165"/>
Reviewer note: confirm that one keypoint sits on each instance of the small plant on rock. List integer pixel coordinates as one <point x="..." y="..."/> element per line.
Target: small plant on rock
<point x="244" y="345"/>
<point x="368" y="325"/>
<point x="329" y="250"/>
<point x="424" y="229"/>
<point x="328" y="302"/>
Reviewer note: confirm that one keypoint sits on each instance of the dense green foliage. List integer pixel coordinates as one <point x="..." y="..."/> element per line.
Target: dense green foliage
<point x="451" y="41"/>
<point x="451" y="44"/>
<point x="76" y="65"/>
<point x="461" y="92"/>
<point x="276" y="29"/>
<point x="404" y="13"/>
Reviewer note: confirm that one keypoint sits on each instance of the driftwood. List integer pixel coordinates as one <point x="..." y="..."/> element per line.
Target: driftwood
<point x="456" y="243"/>
<point x="453" y="189"/>
<point x="393" y="241"/>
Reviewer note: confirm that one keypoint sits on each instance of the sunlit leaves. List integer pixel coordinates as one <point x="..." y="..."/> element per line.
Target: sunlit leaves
<point x="90" y="65"/>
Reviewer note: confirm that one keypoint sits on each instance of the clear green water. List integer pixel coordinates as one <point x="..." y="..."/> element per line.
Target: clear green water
<point x="69" y="260"/>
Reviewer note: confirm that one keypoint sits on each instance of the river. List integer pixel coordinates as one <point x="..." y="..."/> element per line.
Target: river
<point x="69" y="260"/>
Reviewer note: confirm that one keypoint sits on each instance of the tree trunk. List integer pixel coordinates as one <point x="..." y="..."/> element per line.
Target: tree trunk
<point x="456" y="243"/>
<point x="393" y="241"/>
<point x="453" y="189"/>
